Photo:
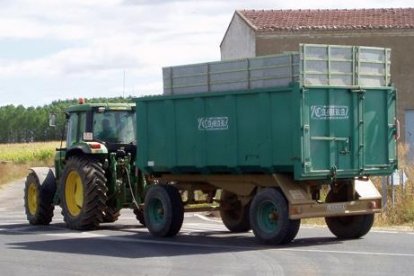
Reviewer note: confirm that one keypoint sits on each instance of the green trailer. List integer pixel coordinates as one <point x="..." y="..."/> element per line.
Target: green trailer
<point x="272" y="150"/>
<point x="262" y="155"/>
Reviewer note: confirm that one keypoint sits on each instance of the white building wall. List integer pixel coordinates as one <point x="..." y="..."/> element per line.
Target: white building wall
<point x="239" y="40"/>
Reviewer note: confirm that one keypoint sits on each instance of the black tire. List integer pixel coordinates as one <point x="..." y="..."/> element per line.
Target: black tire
<point x="38" y="199"/>
<point x="83" y="193"/>
<point x="269" y="217"/>
<point x="163" y="211"/>
<point x="348" y="227"/>
<point x="110" y="215"/>
<point x="234" y="215"/>
<point x="294" y="225"/>
<point x="139" y="214"/>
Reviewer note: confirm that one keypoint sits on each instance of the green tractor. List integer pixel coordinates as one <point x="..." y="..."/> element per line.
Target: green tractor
<point x="94" y="175"/>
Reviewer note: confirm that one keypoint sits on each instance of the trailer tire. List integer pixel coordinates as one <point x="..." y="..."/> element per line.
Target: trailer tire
<point x="293" y="230"/>
<point x="139" y="214"/>
<point x="38" y="199"/>
<point x="163" y="211"/>
<point x="83" y="193"/>
<point x="269" y="217"/>
<point x="236" y="218"/>
<point x="348" y="227"/>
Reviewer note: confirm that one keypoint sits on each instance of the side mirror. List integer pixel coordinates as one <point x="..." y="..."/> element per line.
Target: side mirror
<point x="52" y="120"/>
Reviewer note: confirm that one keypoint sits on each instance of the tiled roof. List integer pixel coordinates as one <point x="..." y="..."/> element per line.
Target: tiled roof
<point x="298" y="20"/>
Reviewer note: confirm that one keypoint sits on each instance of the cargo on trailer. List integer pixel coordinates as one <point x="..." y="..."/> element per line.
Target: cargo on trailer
<point x="311" y="65"/>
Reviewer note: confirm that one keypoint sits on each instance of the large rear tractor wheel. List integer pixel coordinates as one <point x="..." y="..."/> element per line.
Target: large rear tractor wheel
<point x="269" y="218"/>
<point x="163" y="211"/>
<point x="38" y="199"/>
<point x="348" y="227"/>
<point x="83" y="193"/>
<point x="234" y="215"/>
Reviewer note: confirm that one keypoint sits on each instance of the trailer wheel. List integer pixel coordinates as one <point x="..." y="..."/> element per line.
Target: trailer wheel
<point x="293" y="230"/>
<point x="348" y="227"/>
<point x="163" y="211"/>
<point x="234" y="215"/>
<point x="83" y="193"/>
<point x="139" y="214"/>
<point x="269" y="217"/>
<point x="38" y="200"/>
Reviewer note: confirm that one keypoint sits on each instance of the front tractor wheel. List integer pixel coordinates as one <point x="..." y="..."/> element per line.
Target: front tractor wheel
<point x="139" y="215"/>
<point x="83" y="193"/>
<point x="38" y="200"/>
<point x="111" y="214"/>
<point x="163" y="210"/>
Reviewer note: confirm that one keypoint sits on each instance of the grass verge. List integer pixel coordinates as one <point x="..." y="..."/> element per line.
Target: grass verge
<point x="23" y="153"/>
<point x="16" y="159"/>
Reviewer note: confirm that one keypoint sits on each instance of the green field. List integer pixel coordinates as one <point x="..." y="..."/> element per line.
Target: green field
<point x="16" y="159"/>
<point x="27" y="152"/>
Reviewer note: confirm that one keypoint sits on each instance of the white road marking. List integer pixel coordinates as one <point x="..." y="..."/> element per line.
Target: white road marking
<point x="347" y="252"/>
<point x="6" y="220"/>
<point x="76" y="235"/>
<point x="385" y="232"/>
<point x="202" y="226"/>
<point x="206" y="218"/>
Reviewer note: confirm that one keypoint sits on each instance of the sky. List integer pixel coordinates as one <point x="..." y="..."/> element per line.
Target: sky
<point x="54" y="50"/>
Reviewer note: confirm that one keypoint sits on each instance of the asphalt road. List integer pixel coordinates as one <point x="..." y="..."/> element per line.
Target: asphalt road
<point x="203" y="247"/>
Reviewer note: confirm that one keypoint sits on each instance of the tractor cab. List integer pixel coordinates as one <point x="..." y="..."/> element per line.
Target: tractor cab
<point x="112" y="125"/>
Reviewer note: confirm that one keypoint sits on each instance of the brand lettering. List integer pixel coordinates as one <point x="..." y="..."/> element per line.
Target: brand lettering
<point x="329" y="112"/>
<point x="213" y="123"/>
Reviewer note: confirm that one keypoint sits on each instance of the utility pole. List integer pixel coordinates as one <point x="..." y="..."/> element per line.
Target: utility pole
<point x="123" y="91"/>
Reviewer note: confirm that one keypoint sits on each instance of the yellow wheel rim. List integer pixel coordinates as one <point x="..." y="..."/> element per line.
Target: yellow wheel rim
<point x="32" y="198"/>
<point x="74" y="193"/>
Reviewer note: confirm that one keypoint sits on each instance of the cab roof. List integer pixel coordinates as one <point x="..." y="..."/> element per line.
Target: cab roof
<point x="107" y="106"/>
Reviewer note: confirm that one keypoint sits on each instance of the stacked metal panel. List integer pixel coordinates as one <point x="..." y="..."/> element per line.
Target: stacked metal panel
<point x="234" y="75"/>
<point x="313" y="65"/>
<point x="356" y="66"/>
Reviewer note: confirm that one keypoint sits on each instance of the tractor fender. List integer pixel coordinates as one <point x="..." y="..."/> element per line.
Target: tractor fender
<point x="86" y="148"/>
<point x="45" y="175"/>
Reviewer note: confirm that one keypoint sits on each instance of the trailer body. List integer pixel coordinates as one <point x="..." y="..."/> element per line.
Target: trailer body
<point x="310" y="132"/>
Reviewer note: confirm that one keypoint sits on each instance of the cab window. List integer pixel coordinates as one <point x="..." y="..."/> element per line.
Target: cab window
<point x="72" y="129"/>
<point x="114" y="126"/>
<point x="76" y="128"/>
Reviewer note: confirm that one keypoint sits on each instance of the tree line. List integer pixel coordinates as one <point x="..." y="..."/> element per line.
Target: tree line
<point x="19" y="124"/>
